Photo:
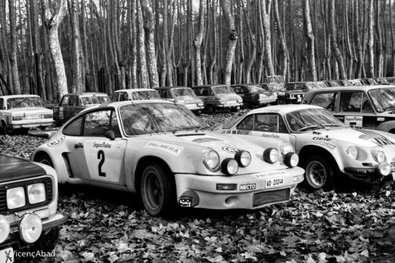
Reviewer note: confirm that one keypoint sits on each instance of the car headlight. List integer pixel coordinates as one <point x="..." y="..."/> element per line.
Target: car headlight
<point x="17" y="118"/>
<point x="291" y="159"/>
<point x="4" y="228"/>
<point x="30" y="228"/>
<point x="286" y="148"/>
<point x="36" y="193"/>
<point x="379" y="156"/>
<point x="352" y="151"/>
<point x="222" y="101"/>
<point x="243" y="158"/>
<point x="15" y="197"/>
<point x="271" y="155"/>
<point x="211" y="160"/>
<point x="230" y="166"/>
<point x="384" y="169"/>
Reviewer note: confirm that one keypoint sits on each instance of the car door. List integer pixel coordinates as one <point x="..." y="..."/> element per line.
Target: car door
<point x="95" y="157"/>
<point x="60" y="113"/>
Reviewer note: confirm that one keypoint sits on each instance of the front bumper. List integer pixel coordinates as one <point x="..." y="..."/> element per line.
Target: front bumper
<point x="365" y="174"/>
<point x="250" y="191"/>
<point x="48" y="224"/>
<point x="194" y="107"/>
<point x="34" y="124"/>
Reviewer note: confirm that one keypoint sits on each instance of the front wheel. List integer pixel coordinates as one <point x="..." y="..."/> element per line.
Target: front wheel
<point x="4" y="128"/>
<point x="43" y="158"/>
<point x="157" y="190"/>
<point x="319" y="173"/>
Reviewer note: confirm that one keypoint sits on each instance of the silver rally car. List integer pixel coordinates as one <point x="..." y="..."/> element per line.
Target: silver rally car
<point x="326" y="146"/>
<point x="160" y="150"/>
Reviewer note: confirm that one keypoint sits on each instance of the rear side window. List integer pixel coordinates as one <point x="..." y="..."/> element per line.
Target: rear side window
<point x="325" y="100"/>
<point x="355" y="101"/>
<point x="73" y="128"/>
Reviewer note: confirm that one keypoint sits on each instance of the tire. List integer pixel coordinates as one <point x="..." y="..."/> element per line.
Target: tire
<point x="157" y="190"/>
<point x="43" y="158"/>
<point x="4" y="128"/>
<point x="320" y="173"/>
<point x="210" y="109"/>
<point x="280" y="101"/>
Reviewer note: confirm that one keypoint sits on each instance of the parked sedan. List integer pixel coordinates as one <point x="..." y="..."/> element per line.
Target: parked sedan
<point x="218" y="97"/>
<point x="254" y="95"/>
<point x="28" y="203"/>
<point x="73" y="103"/>
<point x="159" y="150"/>
<point x="182" y="95"/>
<point x="23" y="111"/>
<point x="135" y="94"/>
<point x="327" y="147"/>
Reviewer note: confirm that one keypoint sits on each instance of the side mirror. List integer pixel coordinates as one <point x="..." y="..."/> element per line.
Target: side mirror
<point x="110" y="134"/>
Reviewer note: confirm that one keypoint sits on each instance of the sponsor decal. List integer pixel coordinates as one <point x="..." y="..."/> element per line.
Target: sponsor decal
<point x="101" y="145"/>
<point x="173" y="149"/>
<point x="204" y="140"/>
<point x="56" y="141"/>
<point x="230" y="149"/>
<point x="246" y="187"/>
<point x="353" y="121"/>
<point x="270" y="135"/>
<point x="261" y="175"/>
<point x="185" y="202"/>
<point x="326" y="139"/>
<point x="376" y="138"/>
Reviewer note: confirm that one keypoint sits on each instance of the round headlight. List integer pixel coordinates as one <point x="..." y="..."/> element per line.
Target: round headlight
<point x="291" y="159"/>
<point x="211" y="160"/>
<point x="4" y="228"/>
<point x="243" y="158"/>
<point x="384" y="169"/>
<point x="271" y="155"/>
<point x="379" y="156"/>
<point x="30" y="228"/>
<point x="16" y="197"/>
<point x="352" y="151"/>
<point x="286" y="148"/>
<point x="230" y="166"/>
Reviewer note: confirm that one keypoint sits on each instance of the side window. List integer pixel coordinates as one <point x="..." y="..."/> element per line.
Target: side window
<point x="123" y="96"/>
<point x="2" y="106"/>
<point x="268" y="123"/>
<point x="366" y="105"/>
<point x="205" y="92"/>
<point x="325" y="100"/>
<point x="65" y="101"/>
<point x="73" y="128"/>
<point x="237" y="89"/>
<point x="72" y="101"/>
<point x="247" y="123"/>
<point x="115" y="96"/>
<point x="97" y="123"/>
<point x="351" y="101"/>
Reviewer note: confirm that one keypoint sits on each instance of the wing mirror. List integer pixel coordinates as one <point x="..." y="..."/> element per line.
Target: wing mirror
<point x="110" y="134"/>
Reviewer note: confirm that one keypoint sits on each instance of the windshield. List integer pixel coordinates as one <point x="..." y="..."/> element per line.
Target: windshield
<point x="158" y="117"/>
<point x="383" y="99"/>
<point x="256" y="89"/>
<point x="93" y="99"/>
<point x="25" y="102"/>
<point x="309" y="119"/>
<point x="145" y="95"/>
<point x="183" y="92"/>
<point x="222" y="90"/>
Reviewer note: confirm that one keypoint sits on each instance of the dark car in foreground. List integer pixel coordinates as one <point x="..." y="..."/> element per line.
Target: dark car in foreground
<point x="28" y="204"/>
<point x="369" y="107"/>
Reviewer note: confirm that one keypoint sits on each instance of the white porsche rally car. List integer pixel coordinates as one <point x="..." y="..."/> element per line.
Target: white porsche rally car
<point x="326" y="146"/>
<point x="159" y="150"/>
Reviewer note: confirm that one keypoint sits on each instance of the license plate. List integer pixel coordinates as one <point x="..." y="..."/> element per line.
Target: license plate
<point x="33" y="117"/>
<point x="7" y="255"/>
<point x="270" y="183"/>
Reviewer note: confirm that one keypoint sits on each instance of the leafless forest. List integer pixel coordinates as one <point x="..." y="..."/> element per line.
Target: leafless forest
<point x="52" y="47"/>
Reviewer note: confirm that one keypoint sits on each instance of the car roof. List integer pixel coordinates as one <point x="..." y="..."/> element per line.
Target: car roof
<point x="283" y="109"/>
<point x="18" y="96"/>
<point x="352" y="88"/>
<point x="132" y="90"/>
<point x="173" y="87"/>
<point x="127" y="102"/>
<point x="86" y="93"/>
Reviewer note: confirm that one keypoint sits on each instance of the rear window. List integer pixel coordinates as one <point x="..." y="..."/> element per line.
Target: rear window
<point x="325" y="100"/>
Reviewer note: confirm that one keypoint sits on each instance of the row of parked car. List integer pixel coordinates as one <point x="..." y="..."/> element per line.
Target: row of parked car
<point x="163" y="152"/>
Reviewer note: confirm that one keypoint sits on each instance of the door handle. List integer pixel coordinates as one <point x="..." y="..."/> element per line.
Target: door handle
<point x="78" y="145"/>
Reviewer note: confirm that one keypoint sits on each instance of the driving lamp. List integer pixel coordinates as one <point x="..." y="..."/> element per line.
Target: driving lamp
<point x="291" y="159"/>
<point x="36" y="193"/>
<point x="211" y="160"/>
<point x="286" y="148"/>
<point x="271" y="155"/>
<point x="384" y="169"/>
<point x="15" y="198"/>
<point x="230" y="166"/>
<point x="30" y="228"/>
<point x="352" y="151"/>
<point x="379" y="156"/>
<point x="4" y="228"/>
<point x="243" y="158"/>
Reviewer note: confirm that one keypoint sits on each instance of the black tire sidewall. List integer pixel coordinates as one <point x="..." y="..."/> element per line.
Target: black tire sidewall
<point x="330" y="173"/>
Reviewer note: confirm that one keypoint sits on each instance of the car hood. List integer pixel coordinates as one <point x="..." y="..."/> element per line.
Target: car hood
<point x="229" y="96"/>
<point x="13" y="168"/>
<point x="189" y="99"/>
<point x="361" y="137"/>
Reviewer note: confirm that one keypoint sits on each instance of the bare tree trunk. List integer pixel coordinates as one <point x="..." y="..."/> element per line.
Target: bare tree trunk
<point x="283" y="46"/>
<point x="133" y="48"/>
<point x="16" y="86"/>
<point x="311" y="40"/>
<point x="214" y="44"/>
<point x="141" y="48"/>
<point x="150" y="43"/>
<point x="379" y="42"/>
<point x="230" y="51"/>
<point x="267" y="38"/>
<point x="78" y="67"/>
<point x="197" y="43"/>
<point x="335" y="47"/>
<point x="371" y="40"/>
<point x="392" y="39"/>
<point x="5" y="59"/>
<point x="252" y="38"/>
<point x="52" y="23"/>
